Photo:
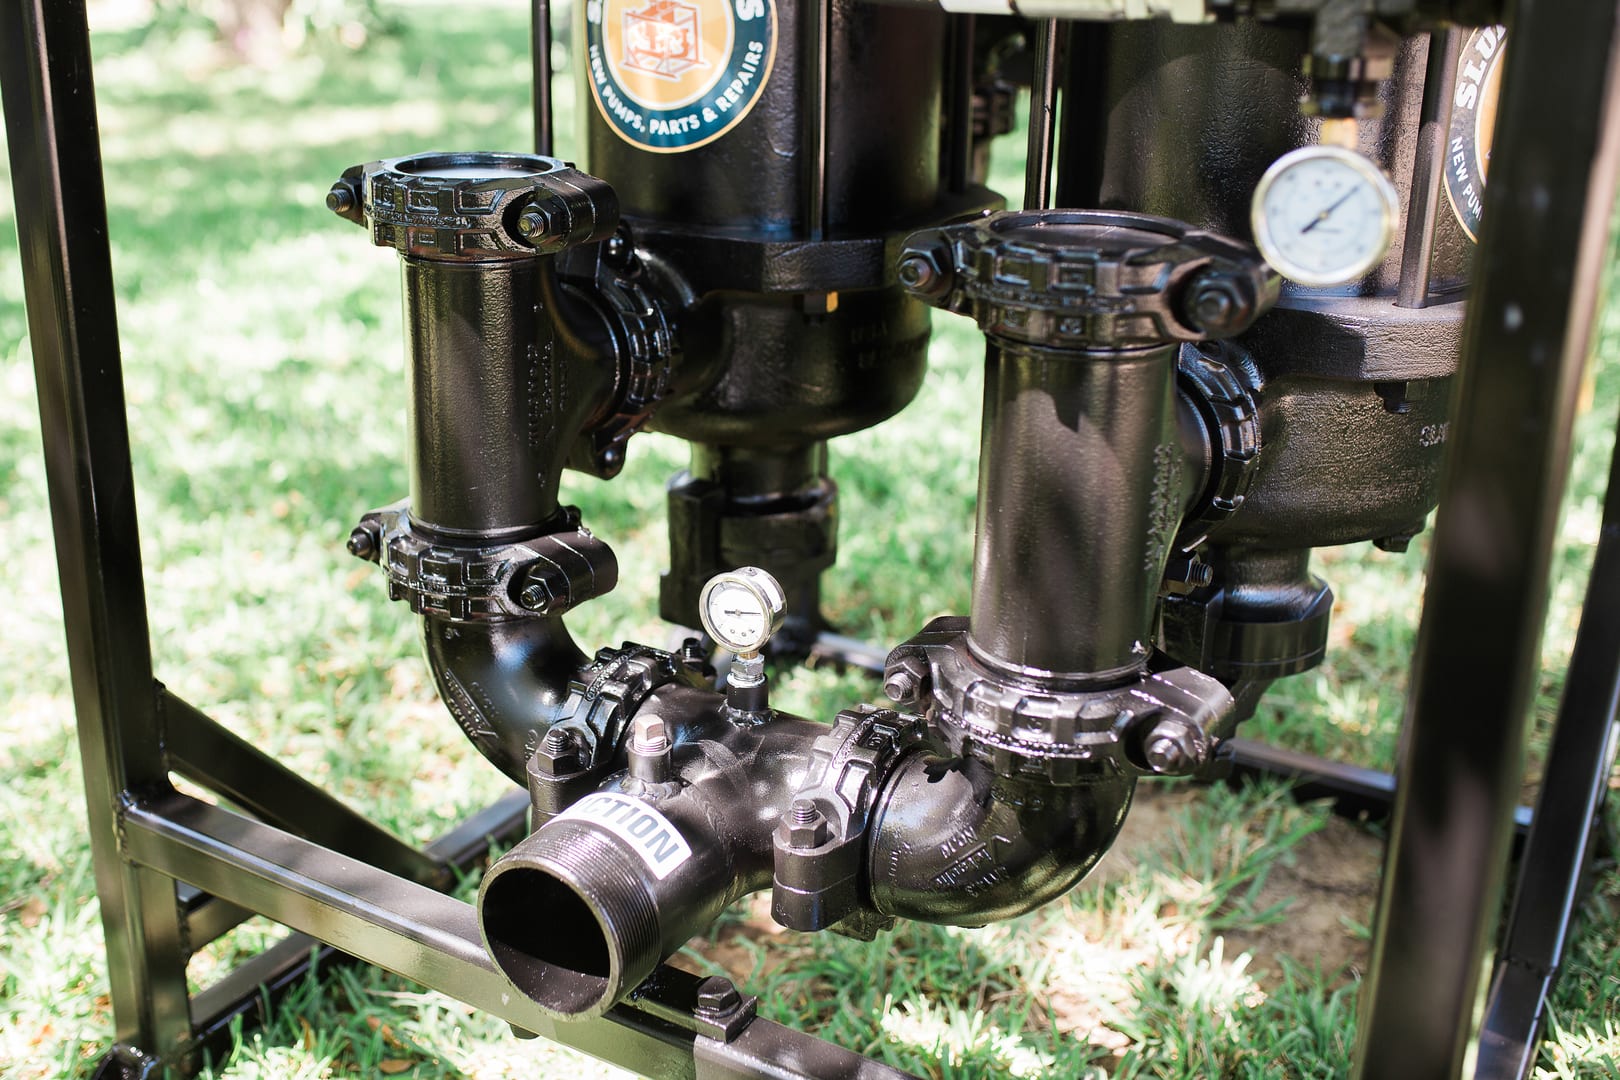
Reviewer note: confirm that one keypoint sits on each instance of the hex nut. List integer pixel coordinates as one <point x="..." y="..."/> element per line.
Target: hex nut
<point x="558" y="754"/>
<point x="1171" y="749"/>
<point x="807" y="825"/>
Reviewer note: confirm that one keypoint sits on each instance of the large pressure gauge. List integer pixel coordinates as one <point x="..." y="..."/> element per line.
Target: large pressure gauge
<point x="1324" y="215"/>
<point x="742" y="608"/>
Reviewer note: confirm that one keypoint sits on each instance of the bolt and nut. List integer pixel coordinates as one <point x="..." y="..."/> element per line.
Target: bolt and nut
<point x="362" y="543"/>
<point x="532" y="224"/>
<point x="921" y="272"/>
<point x="340" y="200"/>
<point x="905" y="681"/>
<point x="1171" y="748"/>
<point x="1220" y="306"/>
<point x="559" y="753"/>
<point x="807" y="826"/>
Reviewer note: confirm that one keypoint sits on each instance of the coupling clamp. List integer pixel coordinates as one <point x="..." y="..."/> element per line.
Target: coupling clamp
<point x="1167" y="721"/>
<point x="489" y="581"/>
<point x="475" y="207"/>
<point x="819" y="843"/>
<point x="1089" y="279"/>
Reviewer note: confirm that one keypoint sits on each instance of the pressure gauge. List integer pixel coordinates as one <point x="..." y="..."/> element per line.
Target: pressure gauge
<point x="1324" y="215"/>
<point x="742" y="608"/>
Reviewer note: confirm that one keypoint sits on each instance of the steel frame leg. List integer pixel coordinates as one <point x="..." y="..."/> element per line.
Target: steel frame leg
<point x="171" y="872"/>
<point x="1526" y="335"/>
<point x="1525" y="343"/>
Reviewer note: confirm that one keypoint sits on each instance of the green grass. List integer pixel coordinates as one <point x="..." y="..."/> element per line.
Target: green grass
<point x="266" y="397"/>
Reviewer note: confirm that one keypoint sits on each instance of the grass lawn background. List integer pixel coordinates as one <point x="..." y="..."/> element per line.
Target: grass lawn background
<point x="263" y="368"/>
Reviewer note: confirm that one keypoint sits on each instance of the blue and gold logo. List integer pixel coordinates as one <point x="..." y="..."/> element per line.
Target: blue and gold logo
<point x="672" y="75"/>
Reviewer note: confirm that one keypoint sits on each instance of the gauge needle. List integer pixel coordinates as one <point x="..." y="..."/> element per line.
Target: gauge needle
<point x="736" y="611"/>
<point x="1324" y="215"/>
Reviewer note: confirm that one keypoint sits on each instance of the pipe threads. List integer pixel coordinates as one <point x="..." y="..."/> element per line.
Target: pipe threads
<point x="570" y="919"/>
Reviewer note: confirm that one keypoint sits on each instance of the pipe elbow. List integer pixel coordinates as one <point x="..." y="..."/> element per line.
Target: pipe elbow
<point x="953" y="843"/>
<point x="504" y="682"/>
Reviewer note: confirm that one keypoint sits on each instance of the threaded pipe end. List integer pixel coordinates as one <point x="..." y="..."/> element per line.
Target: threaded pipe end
<point x="569" y="918"/>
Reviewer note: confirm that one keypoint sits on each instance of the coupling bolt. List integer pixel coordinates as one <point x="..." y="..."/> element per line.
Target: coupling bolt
<point x="807" y="826"/>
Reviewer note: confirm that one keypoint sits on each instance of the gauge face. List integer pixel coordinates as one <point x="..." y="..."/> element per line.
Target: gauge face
<point x="1324" y="215"/>
<point x="742" y="608"/>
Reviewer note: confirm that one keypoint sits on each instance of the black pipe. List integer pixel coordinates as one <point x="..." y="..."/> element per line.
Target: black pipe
<point x="1081" y="486"/>
<point x="584" y="909"/>
<point x="496" y="400"/>
<point x="504" y="682"/>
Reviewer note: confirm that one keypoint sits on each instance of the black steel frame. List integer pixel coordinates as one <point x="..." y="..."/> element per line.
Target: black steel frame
<point x="173" y="872"/>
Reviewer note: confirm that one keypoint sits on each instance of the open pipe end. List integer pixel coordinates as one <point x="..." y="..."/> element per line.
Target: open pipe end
<point x="569" y="921"/>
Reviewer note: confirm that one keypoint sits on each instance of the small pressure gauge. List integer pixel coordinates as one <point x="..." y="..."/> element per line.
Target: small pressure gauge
<point x="742" y="608"/>
<point x="1324" y="215"/>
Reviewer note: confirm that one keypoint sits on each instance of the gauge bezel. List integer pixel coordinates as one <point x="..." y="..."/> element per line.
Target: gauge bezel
<point x="764" y="588"/>
<point x="1382" y="186"/>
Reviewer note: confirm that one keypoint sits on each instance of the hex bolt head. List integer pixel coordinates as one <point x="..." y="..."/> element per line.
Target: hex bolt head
<point x="618" y="251"/>
<point x="649" y="734"/>
<point x="807" y="826"/>
<point x="716" y="996"/>
<point x="340" y="200"/>
<point x="919" y="273"/>
<point x="1220" y="306"/>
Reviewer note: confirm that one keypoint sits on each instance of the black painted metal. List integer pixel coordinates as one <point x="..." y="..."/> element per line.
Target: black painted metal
<point x="52" y="135"/>
<point x="235" y="865"/>
<point x="1528" y="326"/>
<point x="202" y="751"/>
<point x="540" y="52"/>
<point x="433" y="939"/>
<point x="1043" y="117"/>
<point x="1556" y="864"/>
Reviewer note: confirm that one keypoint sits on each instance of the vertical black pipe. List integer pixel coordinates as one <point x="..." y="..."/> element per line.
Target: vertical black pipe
<point x="957" y="151"/>
<point x="540" y="44"/>
<point x="1525" y="339"/>
<point x="817" y="15"/>
<point x="494" y="403"/>
<point x="55" y="149"/>
<point x="1079" y="491"/>
<point x="1084" y="121"/>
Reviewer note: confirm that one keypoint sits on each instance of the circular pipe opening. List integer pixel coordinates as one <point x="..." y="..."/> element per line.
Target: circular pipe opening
<point x="546" y="937"/>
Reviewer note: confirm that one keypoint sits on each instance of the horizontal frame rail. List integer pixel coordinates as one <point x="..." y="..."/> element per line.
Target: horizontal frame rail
<point x="424" y="935"/>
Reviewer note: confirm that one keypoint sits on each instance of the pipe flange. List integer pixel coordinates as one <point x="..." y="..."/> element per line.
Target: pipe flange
<point x="1208" y="373"/>
<point x="540" y="575"/>
<point x="819" y="842"/>
<point x="1089" y="279"/>
<point x="1062" y="736"/>
<point x="475" y="207"/>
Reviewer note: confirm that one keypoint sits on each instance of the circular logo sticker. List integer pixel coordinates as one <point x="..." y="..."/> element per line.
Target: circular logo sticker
<point x="1473" y="119"/>
<point x="671" y="75"/>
